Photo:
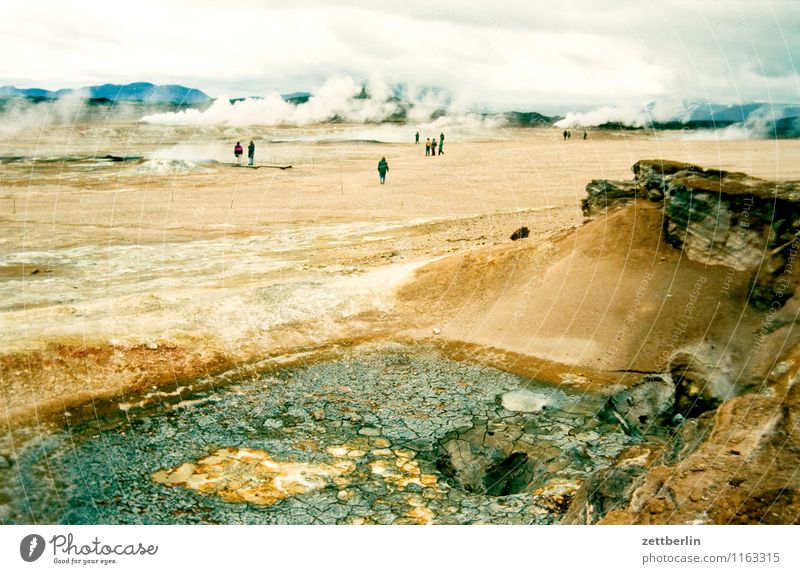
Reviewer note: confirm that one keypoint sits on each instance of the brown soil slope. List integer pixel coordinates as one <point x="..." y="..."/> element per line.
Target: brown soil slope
<point x="611" y="295"/>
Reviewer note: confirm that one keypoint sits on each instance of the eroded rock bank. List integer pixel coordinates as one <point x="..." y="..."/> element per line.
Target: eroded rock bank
<point x="730" y="459"/>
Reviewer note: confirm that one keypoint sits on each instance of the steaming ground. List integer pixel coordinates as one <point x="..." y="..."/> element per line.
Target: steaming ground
<point x="127" y="275"/>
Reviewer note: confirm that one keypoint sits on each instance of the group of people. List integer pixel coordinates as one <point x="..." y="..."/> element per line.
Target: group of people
<point x="430" y="150"/>
<point x="251" y="152"/>
<point x="568" y="134"/>
<point x="383" y="165"/>
<point x="430" y="144"/>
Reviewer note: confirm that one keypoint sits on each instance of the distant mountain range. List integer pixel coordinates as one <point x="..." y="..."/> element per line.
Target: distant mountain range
<point x="138" y="92"/>
<point x="772" y="120"/>
<point x="721" y="113"/>
<point x="143" y="92"/>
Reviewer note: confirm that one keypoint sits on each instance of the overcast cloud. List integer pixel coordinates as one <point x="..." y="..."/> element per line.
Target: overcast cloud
<point x="510" y="54"/>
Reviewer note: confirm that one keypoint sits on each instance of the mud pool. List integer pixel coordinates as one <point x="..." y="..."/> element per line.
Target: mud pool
<point x="388" y="435"/>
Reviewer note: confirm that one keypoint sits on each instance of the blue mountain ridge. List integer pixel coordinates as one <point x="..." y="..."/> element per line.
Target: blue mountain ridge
<point x="135" y="92"/>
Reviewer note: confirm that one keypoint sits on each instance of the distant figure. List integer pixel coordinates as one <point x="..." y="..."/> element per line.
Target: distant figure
<point x="441" y="144"/>
<point x="237" y="151"/>
<point x="569" y="134"/>
<point x="416" y="138"/>
<point x="427" y="147"/>
<point x="584" y="135"/>
<point x="251" y="153"/>
<point x="565" y="135"/>
<point x="383" y="167"/>
<point x="433" y="147"/>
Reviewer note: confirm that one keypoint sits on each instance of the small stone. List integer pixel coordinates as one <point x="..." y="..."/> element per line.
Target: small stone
<point x="151" y="345"/>
<point x="369" y="431"/>
<point x="318" y="414"/>
<point x="520" y="233"/>
<point x="345" y="495"/>
<point x="436" y="330"/>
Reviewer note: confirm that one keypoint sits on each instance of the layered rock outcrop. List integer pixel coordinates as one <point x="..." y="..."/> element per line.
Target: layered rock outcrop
<point x="718" y="218"/>
<point x="734" y="449"/>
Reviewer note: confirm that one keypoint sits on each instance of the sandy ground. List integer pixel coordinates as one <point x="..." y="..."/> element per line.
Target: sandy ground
<point x="120" y="276"/>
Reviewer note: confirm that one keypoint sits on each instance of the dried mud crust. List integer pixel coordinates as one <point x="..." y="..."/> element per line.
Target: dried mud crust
<point x="385" y="436"/>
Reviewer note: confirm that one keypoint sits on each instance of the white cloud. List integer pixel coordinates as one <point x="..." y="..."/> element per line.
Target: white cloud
<point x="503" y="53"/>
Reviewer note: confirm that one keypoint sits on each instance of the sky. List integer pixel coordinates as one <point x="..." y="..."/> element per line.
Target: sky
<point x="522" y="54"/>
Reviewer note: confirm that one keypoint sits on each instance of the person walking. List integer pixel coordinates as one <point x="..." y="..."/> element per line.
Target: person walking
<point x="584" y="135"/>
<point x="237" y="152"/>
<point x="441" y="143"/>
<point x="383" y="167"/>
<point x="565" y="135"/>
<point x="416" y="138"/>
<point x="433" y="147"/>
<point x="427" y="147"/>
<point x="251" y="153"/>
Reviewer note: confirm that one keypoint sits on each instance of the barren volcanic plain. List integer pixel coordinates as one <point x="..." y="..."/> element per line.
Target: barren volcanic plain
<point x="183" y="339"/>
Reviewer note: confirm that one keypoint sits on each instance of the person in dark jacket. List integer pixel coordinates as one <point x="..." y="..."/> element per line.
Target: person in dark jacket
<point x="237" y="152"/>
<point x="383" y="167"/>
<point x="251" y="153"/>
<point x="441" y="143"/>
<point x="416" y="138"/>
<point x="433" y="146"/>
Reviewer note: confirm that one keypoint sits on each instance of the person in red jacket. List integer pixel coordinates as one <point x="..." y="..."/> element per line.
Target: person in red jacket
<point x="237" y="151"/>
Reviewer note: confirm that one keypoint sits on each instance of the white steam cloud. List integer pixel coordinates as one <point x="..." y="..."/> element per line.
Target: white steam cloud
<point x="21" y="115"/>
<point x="760" y="124"/>
<point x="339" y="98"/>
<point x="632" y="115"/>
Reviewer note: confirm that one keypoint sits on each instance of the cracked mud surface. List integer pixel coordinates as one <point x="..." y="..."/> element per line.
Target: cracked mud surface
<point x="389" y="435"/>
